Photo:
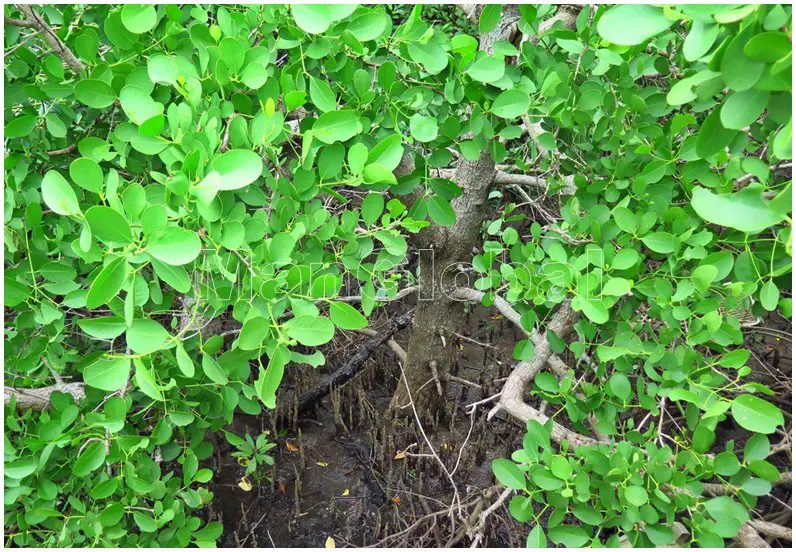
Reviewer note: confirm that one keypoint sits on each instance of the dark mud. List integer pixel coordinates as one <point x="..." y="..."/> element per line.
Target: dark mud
<point x="345" y="471"/>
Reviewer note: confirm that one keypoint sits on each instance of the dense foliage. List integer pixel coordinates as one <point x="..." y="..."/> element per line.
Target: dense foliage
<point x="192" y="167"/>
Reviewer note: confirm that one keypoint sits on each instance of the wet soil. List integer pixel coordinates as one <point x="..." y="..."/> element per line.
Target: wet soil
<point x="347" y="472"/>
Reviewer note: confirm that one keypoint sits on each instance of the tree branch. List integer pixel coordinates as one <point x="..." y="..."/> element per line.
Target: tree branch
<point x="33" y="21"/>
<point x="39" y="398"/>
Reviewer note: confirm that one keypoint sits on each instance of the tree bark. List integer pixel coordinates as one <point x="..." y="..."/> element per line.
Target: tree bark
<point x="39" y="398"/>
<point x="439" y="314"/>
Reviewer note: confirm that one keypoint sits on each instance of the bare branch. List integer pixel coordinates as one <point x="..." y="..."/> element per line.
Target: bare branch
<point x="34" y="21"/>
<point x="39" y="398"/>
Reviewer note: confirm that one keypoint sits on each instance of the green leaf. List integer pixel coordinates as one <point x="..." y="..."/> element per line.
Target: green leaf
<point x="571" y="536"/>
<point x="661" y="242"/>
<point x="632" y="24"/>
<point x="337" y="126"/>
<point x="536" y="538"/>
<point x="175" y="276"/>
<point x="756" y="414"/>
<point x="87" y="174"/>
<point x="700" y="39"/>
<point x="743" y="108"/>
<point x="508" y="474"/>
<point x="139" y="18"/>
<point x="138" y="105"/>
<point x="745" y="210"/>
<point x="95" y="93"/>
<point x="184" y="362"/>
<point x="441" y="211"/>
<point x="388" y="152"/>
<point x="255" y="75"/>
<point x="635" y="495"/>
<point x="487" y="69"/>
<point x="146" y="336"/>
<point x="310" y="330"/>
<point x="58" y="195"/>
<point x="769" y="295"/>
<point x="594" y="310"/>
<point x="108" y="374"/>
<point x="213" y="370"/>
<point x="92" y="457"/>
<point x="146" y="381"/>
<point x="312" y="18"/>
<point x="105" y="327"/>
<point x="237" y="168"/>
<point x="713" y="137"/>
<point x="768" y="47"/>
<point x="19" y="469"/>
<point x="624" y="259"/>
<point x="253" y="333"/>
<point x="422" y="128"/>
<point x="511" y="103"/>
<point x="726" y="463"/>
<point x="489" y="18"/>
<point x="619" y="384"/>
<point x="175" y="246"/>
<point x="21" y="126"/>
<point x="112" y="514"/>
<point x="346" y="317"/>
<point x="108" y="225"/>
<point x="616" y="287"/>
<point x="372" y="208"/>
<point x="322" y="95"/>
<point x="107" y="284"/>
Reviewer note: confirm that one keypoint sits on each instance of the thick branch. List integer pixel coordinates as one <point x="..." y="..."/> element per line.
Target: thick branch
<point x="39" y="398"/>
<point x="33" y="21"/>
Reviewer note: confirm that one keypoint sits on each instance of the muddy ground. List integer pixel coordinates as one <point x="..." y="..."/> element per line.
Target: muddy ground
<point x="345" y="471"/>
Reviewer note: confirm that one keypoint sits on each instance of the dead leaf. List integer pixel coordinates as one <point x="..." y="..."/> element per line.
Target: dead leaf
<point x="330" y="543"/>
<point x="245" y="484"/>
<point x="291" y="447"/>
<point x="496" y="316"/>
<point x="322" y="464"/>
<point x="282" y="488"/>
<point x="346" y="492"/>
<point x="400" y="456"/>
<point x="396" y="500"/>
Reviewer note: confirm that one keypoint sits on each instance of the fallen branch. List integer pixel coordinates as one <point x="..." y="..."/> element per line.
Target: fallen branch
<point x="352" y="367"/>
<point x="772" y="529"/>
<point x="33" y="21"/>
<point x="39" y="398"/>
<point x="748" y="537"/>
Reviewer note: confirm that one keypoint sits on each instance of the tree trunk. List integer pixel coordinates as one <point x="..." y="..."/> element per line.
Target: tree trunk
<point x="438" y="315"/>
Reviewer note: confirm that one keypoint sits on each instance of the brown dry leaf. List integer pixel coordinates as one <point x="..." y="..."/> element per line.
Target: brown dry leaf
<point x="291" y="446"/>
<point x="330" y="543"/>
<point x="396" y="500"/>
<point x="282" y="488"/>
<point x="245" y="484"/>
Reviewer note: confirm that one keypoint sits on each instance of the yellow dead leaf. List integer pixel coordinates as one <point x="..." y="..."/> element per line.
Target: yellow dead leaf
<point x="322" y="464"/>
<point x="291" y="447"/>
<point x="330" y="543"/>
<point x="346" y="492"/>
<point x="497" y="316"/>
<point x="400" y="456"/>
<point x="245" y="484"/>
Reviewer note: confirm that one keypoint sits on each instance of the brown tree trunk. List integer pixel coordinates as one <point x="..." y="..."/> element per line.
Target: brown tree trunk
<point x="438" y="315"/>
